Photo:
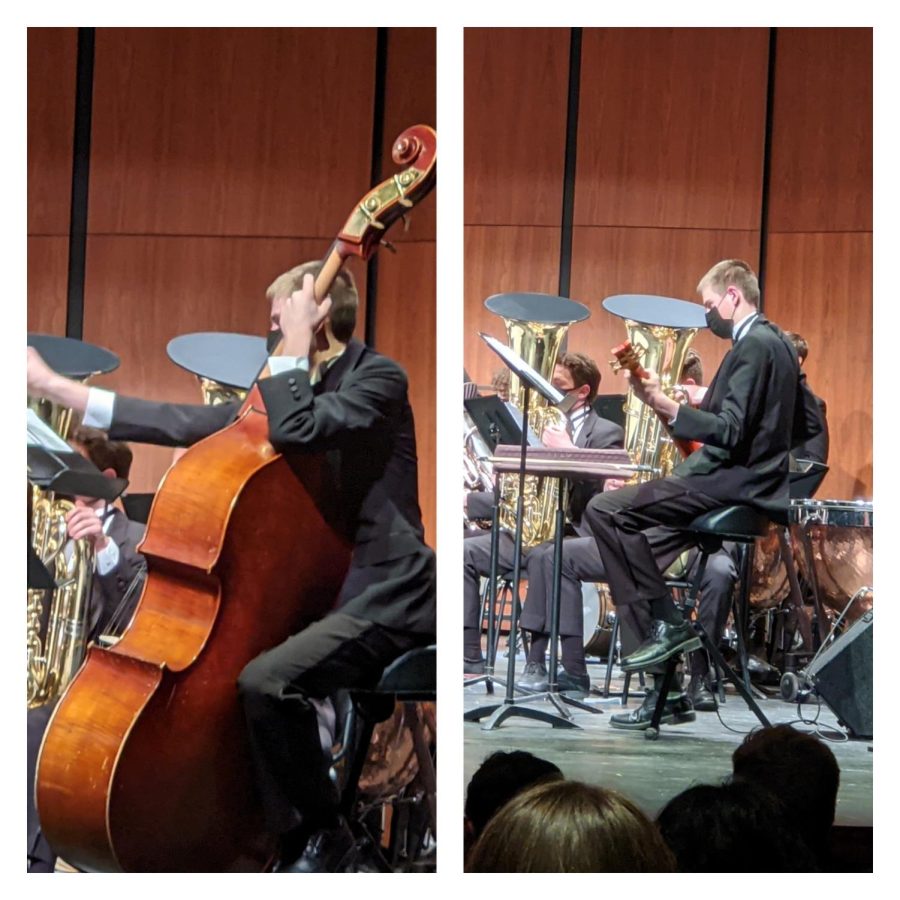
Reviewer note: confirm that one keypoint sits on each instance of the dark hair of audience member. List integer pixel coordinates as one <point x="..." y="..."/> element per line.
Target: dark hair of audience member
<point x="568" y="826"/>
<point x="499" y="778"/>
<point x="802" y="773"/>
<point x="735" y="827"/>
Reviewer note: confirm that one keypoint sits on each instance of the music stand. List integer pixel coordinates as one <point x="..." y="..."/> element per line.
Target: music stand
<point x="232" y="360"/>
<point x="497" y="713"/>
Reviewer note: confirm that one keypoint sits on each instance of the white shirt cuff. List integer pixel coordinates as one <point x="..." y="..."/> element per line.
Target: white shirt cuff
<point x="107" y="558"/>
<point x="279" y="364"/>
<point x="99" y="410"/>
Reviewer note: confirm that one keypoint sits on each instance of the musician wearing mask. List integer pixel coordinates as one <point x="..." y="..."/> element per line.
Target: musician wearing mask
<point x="117" y="568"/>
<point x="755" y="409"/>
<point x="350" y="403"/>
<point x="578" y="376"/>
<point x="581" y="562"/>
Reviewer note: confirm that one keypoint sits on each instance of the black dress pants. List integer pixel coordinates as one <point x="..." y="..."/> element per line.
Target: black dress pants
<point x="340" y="651"/>
<point x="618" y="521"/>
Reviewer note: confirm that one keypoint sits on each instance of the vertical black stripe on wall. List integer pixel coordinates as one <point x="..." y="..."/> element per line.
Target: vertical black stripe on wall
<point x="81" y="162"/>
<point x="568" y="204"/>
<point x="381" y="51"/>
<point x="767" y="169"/>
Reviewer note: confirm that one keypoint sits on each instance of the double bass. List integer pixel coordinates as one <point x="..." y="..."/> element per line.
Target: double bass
<point x="145" y="764"/>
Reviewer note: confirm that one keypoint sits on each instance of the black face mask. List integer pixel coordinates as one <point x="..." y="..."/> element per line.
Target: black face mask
<point x="722" y="328"/>
<point x="273" y="339"/>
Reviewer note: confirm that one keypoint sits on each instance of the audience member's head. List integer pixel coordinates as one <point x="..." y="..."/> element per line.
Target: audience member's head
<point x="802" y="773"/>
<point x="568" y="826"/>
<point x="499" y="778"/>
<point x="736" y="827"/>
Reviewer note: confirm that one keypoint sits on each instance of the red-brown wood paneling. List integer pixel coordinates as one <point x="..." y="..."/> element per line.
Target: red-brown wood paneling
<point x="410" y="99"/>
<point x="405" y="317"/>
<point x="516" y="83"/>
<point x="671" y="127"/>
<point x="822" y="130"/>
<point x="667" y="262"/>
<point x="500" y="260"/>
<point x="405" y="330"/>
<point x="142" y="291"/>
<point x="48" y="267"/>
<point x="237" y="131"/>
<point x="820" y="285"/>
<point x="52" y="54"/>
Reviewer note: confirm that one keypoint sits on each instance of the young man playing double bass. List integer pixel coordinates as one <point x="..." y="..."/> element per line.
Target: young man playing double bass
<point x="350" y="403"/>
<point x="757" y="407"/>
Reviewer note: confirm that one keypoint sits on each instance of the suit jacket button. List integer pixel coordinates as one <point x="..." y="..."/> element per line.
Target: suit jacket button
<point x="292" y="382"/>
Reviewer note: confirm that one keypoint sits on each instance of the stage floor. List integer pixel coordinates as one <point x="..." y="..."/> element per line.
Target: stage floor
<point x="652" y="772"/>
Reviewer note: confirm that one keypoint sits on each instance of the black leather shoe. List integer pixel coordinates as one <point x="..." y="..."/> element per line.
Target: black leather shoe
<point x="473" y="667"/>
<point x="534" y="678"/>
<point x="701" y="697"/>
<point x="328" y="850"/>
<point x="576" y="686"/>
<point x="678" y="709"/>
<point x="664" y="642"/>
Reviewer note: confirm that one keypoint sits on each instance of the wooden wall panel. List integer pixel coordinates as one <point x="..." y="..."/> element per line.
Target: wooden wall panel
<point x="820" y="285"/>
<point x="664" y="261"/>
<point x="405" y="326"/>
<point x="48" y="268"/>
<point x="822" y="130"/>
<point x="142" y="291"/>
<point x="52" y="56"/>
<point x="499" y="260"/>
<point x="516" y="82"/>
<point x="405" y="318"/>
<point x="247" y="131"/>
<point x="671" y="127"/>
<point x="411" y="100"/>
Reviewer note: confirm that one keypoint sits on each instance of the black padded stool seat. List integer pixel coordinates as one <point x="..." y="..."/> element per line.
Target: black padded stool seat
<point x="743" y="524"/>
<point x="412" y="676"/>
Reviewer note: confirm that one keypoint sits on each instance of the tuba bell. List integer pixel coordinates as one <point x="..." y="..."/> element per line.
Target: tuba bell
<point x="661" y="330"/>
<point x="536" y="325"/>
<point x="57" y="620"/>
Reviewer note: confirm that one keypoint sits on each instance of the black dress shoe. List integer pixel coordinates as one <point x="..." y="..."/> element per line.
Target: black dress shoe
<point x="678" y="709"/>
<point x="328" y="850"/>
<point x="664" y="642"/>
<point x="473" y="667"/>
<point x="702" y="698"/>
<point x="534" y="678"/>
<point x="576" y="686"/>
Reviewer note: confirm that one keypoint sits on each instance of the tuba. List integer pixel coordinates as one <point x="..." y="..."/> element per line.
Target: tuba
<point x="536" y="325"/>
<point x="57" y="620"/>
<point x="661" y="331"/>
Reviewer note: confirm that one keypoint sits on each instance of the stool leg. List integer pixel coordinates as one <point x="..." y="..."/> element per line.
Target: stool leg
<point x="610" y="657"/>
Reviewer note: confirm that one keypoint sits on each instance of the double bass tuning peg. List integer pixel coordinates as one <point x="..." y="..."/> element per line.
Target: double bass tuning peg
<point x="388" y="246"/>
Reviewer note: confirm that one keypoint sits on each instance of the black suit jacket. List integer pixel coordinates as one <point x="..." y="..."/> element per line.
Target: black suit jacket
<point x="596" y="433"/>
<point x="816" y="448"/>
<point x="108" y="591"/>
<point x="757" y="407"/>
<point x="359" y="416"/>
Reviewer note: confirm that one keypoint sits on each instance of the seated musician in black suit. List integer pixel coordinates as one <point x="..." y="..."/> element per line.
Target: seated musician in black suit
<point x="575" y="374"/>
<point x="350" y="402"/>
<point x="581" y="562"/>
<point x="815" y="449"/>
<point x="755" y="410"/>
<point x="113" y="595"/>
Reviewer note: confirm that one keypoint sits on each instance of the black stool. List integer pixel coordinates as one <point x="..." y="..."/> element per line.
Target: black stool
<point x="410" y="679"/>
<point x="743" y="525"/>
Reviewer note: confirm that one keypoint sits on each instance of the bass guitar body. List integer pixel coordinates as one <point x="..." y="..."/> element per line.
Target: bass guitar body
<point x="146" y="763"/>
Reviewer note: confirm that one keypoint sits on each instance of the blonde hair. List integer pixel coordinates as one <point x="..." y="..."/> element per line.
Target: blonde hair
<point x="732" y="271"/>
<point x="344" y="297"/>
<point x="568" y="826"/>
